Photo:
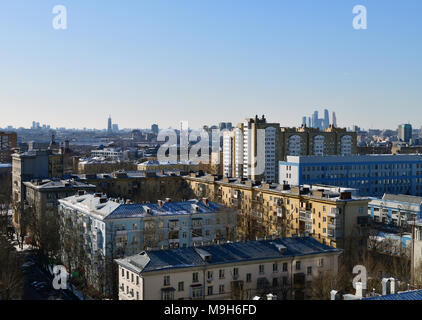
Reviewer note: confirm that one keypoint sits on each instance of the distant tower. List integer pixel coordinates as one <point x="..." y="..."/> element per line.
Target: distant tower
<point x="315" y="119"/>
<point x="326" y="119"/>
<point x="309" y="122"/>
<point x="109" y="126"/>
<point x="304" y="121"/>
<point x="155" y="129"/>
<point x="334" y="120"/>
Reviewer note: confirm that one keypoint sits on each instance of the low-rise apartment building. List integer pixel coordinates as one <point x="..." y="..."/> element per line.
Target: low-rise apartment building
<point x="8" y="142"/>
<point x="330" y="214"/>
<point x="112" y="228"/>
<point x="395" y="209"/>
<point x="239" y="270"/>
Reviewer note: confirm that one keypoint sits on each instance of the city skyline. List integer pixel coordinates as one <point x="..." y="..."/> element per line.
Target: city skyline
<point x="160" y="62"/>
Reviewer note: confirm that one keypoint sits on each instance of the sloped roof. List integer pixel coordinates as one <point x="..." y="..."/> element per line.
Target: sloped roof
<point x="402" y="198"/>
<point x="408" y="295"/>
<point x="168" y="208"/>
<point x="114" y="209"/>
<point x="225" y="253"/>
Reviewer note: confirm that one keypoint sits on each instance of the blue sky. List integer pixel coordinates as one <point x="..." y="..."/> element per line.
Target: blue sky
<point x="207" y="61"/>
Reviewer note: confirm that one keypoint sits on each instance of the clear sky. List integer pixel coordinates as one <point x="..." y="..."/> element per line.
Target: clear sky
<point x="206" y="61"/>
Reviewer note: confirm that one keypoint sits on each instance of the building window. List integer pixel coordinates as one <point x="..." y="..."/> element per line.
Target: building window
<point x="221" y="289"/>
<point x="321" y="262"/>
<point x="261" y="269"/>
<point x="127" y="275"/>
<point x="284" y="281"/>
<point x="209" y="274"/>
<point x="275" y="267"/>
<point x="297" y="265"/>
<point x="309" y="271"/>
<point x="137" y="295"/>
<point x="248" y="277"/>
<point x="167" y="295"/>
<point x="209" y="290"/>
<point x="196" y="292"/>
<point x="181" y="286"/>
<point x="221" y="274"/>
<point x="285" y="267"/>
<point x="235" y="272"/>
<point x="275" y="282"/>
<point x="137" y="280"/>
<point x="166" y="280"/>
<point x="195" y="277"/>
<point x="123" y="272"/>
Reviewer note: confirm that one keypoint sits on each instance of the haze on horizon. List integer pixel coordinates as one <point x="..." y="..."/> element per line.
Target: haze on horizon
<point x="206" y="61"/>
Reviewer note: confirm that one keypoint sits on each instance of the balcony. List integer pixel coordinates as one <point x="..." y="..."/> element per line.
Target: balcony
<point x="121" y="232"/>
<point x="280" y="212"/>
<point x="305" y="216"/>
<point x="334" y="234"/>
<point x="333" y="213"/>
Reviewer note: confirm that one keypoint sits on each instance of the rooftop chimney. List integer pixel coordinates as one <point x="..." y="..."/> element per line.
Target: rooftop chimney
<point x="388" y="286"/>
<point x="345" y="195"/>
<point x="359" y="289"/>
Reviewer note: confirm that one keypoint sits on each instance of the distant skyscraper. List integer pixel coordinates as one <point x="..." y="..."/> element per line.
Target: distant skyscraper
<point x="319" y="123"/>
<point x="334" y="120"/>
<point x="315" y="119"/>
<point x="405" y="132"/>
<point x="154" y="128"/>
<point x="109" y="126"/>
<point x="115" y="127"/>
<point x="326" y="119"/>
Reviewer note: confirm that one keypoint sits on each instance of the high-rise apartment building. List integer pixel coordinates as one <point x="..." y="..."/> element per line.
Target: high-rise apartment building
<point x="259" y="149"/>
<point x="405" y="132"/>
<point x="253" y="149"/>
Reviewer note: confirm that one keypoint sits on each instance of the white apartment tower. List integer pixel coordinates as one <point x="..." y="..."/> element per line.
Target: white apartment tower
<point x="250" y="150"/>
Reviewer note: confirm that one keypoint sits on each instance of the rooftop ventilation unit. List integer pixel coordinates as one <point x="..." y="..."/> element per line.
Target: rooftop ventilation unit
<point x="205" y="255"/>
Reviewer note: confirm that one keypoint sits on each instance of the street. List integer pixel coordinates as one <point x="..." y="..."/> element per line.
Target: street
<point x="38" y="283"/>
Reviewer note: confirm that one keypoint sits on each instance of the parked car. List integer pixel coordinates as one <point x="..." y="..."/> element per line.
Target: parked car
<point x="28" y="264"/>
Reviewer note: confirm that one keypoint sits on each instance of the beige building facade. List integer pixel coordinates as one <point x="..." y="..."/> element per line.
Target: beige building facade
<point x="239" y="271"/>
